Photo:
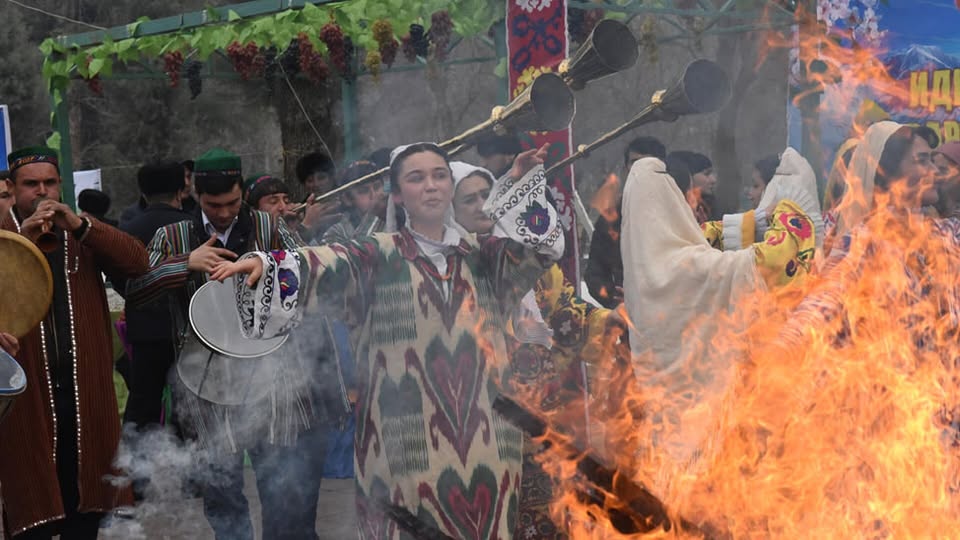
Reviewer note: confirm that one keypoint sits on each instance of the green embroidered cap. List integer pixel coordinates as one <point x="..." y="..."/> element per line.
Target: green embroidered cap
<point x="217" y="162"/>
<point x="32" y="154"/>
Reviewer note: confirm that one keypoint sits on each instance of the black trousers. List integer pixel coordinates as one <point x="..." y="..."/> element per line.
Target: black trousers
<point x="288" y="482"/>
<point x="149" y="367"/>
<point x="76" y="525"/>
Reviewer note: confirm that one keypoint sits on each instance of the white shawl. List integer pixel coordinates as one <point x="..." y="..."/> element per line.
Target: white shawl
<point x="674" y="282"/>
<point x="857" y="201"/>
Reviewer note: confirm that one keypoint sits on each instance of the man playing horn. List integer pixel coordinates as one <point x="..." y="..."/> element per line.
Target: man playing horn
<point x="58" y="443"/>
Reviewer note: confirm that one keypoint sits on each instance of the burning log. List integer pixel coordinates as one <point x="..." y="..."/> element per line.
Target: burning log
<point x="629" y="506"/>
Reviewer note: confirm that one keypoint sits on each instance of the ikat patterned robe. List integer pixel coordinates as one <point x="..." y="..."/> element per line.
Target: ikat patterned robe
<point x="431" y="351"/>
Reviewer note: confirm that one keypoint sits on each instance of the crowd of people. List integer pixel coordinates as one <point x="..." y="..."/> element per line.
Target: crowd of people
<point x="411" y="301"/>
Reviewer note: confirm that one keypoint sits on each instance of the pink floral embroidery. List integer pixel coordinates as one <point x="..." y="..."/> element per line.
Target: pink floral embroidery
<point x="777" y="239"/>
<point x="278" y="255"/>
<point x="797" y="224"/>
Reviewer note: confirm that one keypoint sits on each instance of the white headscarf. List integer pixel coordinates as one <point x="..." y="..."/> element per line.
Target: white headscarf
<point x="528" y="323"/>
<point x="857" y="200"/>
<point x="671" y="275"/>
<point x="795" y="180"/>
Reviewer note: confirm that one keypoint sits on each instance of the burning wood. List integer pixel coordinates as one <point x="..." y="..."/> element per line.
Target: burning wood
<point x="629" y="506"/>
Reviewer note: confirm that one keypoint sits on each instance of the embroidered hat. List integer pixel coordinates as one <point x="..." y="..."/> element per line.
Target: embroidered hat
<point x="217" y="162"/>
<point x="32" y="154"/>
<point x="262" y="185"/>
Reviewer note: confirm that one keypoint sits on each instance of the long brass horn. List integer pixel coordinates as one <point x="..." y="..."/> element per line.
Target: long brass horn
<point x="611" y="47"/>
<point x="546" y="105"/>
<point x="703" y="88"/>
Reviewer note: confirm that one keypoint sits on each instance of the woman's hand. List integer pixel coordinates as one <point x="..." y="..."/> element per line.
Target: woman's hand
<point x="526" y="161"/>
<point x="253" y="267"/>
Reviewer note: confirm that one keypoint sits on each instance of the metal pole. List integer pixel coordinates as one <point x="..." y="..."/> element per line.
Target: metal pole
<point x="500" y="44"/>
<point x="61" y="112"/>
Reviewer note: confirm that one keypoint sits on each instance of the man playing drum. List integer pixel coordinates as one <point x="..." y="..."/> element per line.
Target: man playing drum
<point x="271" y="425"/>
<point x="58" y="443"/>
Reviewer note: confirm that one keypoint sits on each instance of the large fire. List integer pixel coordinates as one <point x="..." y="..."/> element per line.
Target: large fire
<point x="827" y="409"/>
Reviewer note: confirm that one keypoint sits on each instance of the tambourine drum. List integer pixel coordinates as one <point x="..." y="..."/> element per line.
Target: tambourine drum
<point x="27" y="285"/>
<point x="13" y="381"/>
<point x="219" y="364"/>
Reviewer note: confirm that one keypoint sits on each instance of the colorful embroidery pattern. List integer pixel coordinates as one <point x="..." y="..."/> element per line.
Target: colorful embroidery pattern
<point x="537" y="42"/>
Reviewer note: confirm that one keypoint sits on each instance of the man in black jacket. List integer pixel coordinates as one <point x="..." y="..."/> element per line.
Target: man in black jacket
<point x="149" y="327"/>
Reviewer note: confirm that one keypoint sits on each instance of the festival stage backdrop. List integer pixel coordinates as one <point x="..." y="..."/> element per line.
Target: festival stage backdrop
<point x="537" y="43"/>
<point x="918" y="42"/>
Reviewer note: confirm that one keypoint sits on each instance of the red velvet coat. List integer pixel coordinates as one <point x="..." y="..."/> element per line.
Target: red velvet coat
<point x="28" y="473"/>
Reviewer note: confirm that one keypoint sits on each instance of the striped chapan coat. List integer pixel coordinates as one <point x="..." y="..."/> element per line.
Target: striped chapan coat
<point x="28" y="436"/>
<point x="288" y="410"/>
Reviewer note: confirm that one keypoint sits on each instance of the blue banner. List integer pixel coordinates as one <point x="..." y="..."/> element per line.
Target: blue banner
<point x="918" y="43"/>
<point x="4" y="135"/>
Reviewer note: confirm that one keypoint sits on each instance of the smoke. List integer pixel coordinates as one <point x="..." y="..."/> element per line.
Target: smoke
<point x="283" y="429"/>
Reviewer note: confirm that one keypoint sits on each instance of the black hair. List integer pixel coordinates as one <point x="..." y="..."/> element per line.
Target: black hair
<point x="265" y="188"/>
<point x="407" y="152"/>
<point x="357" y="170"/>
<point x="93" y="201"/>
<point x="216" y="184"/>
<point x="189" y="165"/>
<point x="313" y="163"/>
<point x="767" y="167"/>
<point x="499" y="144"/>
<point x="677" y="168"/>
<point x="4" y="175"/>
<point x="381" y="157"/>
<point x="896" y="147"/>
<point x="928" y="134"/>
<point x="647" y="146"/>
<point x="160" y="178"/>
<point x="696" y="162"/>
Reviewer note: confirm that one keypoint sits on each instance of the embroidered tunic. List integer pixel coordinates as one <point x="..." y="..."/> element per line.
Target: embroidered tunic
<point x="431" y="351"/>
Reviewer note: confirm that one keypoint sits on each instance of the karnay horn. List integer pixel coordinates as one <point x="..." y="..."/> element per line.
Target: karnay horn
<point x="546" y="105"/>
<point x="703" y="88"/>
<point x="611" y="47"/>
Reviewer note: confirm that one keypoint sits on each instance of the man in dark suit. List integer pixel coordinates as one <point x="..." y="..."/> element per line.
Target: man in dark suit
<point x="149" y="327"/>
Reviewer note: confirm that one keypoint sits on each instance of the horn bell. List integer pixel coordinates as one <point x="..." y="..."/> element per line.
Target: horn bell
<point x="610" y="48"/>
<point x="546" y="105"/>
<point x="703" y="88"/>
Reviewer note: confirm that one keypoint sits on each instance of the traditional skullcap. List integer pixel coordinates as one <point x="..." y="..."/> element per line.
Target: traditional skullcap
<point x="32" y="154"/>
<point x="217" y="162"/>
<point x="261" y="185"/>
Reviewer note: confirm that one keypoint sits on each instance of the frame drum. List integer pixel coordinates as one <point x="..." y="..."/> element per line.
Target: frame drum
<point x="28" y="285"/>
<point x="219" y="364"/>
<point x="13" y="381"/>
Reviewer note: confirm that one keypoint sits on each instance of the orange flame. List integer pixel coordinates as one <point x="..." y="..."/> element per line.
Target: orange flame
<point x="828" y="409"/>
<point x="607" y="198"/>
